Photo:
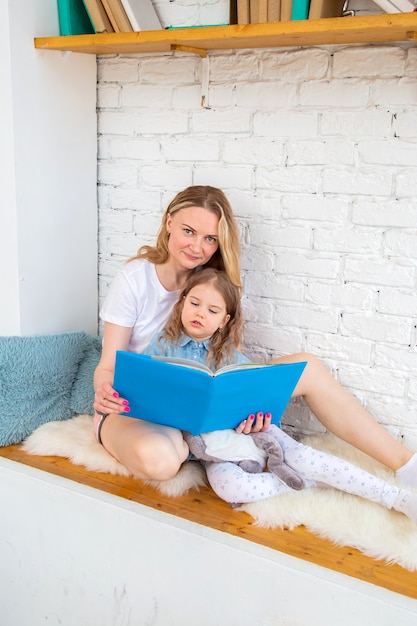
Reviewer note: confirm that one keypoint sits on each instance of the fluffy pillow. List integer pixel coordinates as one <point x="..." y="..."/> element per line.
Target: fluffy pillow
<point x="36" y="378"/>
<point x="82" y="392"/>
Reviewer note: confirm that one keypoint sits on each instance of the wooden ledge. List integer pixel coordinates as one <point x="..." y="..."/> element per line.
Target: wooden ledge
<point x="204" y="507"/>
<point x="387" y="27"/>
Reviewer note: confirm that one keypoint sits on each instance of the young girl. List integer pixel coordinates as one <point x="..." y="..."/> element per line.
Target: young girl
<point x="205" y="326"/>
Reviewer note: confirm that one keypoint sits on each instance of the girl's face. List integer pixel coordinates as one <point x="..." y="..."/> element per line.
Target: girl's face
<point x="193" y="236"/>
<point x="204" y="312"/>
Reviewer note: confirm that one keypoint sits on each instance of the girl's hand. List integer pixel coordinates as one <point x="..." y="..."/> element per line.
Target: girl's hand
<point x="254" y="423"/>
<point x="107" y="400"/>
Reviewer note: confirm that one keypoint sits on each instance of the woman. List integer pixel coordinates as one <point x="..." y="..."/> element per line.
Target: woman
<point x="198" y="229"/>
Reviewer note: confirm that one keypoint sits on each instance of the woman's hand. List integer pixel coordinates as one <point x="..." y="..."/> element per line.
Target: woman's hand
<point x="254" y="423"/>
<point x="107" y="400"/>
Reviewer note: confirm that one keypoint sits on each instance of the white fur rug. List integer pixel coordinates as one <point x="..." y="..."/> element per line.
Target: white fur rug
<point x="344" y="519"/>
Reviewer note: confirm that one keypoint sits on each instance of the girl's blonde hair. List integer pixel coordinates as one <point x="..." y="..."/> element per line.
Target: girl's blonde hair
<point x="227" y="256"/>
<point x="224" y="341"/>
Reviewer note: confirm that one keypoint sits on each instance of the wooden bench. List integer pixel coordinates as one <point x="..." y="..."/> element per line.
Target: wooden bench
<point x="205" y="508"/>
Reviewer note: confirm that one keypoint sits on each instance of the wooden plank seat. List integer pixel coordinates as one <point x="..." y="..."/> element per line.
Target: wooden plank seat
<point x="204" y="507"/>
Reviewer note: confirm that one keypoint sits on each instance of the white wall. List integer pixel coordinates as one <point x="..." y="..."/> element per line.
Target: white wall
<point x="48" y="220"/>
<point x="72" y="555"/>
<point x="317" y="150"/>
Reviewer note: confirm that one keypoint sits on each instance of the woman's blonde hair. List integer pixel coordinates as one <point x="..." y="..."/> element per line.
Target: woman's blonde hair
<point x="227" y="256"/>
<point x="224" y="341"/>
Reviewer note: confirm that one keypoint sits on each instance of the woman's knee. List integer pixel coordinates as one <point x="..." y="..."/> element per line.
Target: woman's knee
<point x="157" y="458"/>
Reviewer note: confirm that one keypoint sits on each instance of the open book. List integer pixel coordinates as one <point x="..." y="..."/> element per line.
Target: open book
<point x="187" y="395"/>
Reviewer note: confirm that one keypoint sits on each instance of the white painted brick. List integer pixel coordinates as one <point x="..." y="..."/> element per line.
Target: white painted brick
<point x="384" y="213"/>
<point x="266" y="96"/>
<point x="220" y="95"/>
<point x="315" y="207"/>
<point x="128" y="148"/>
<point x="285" y="123"/>
<point x="357" y="181"/>
<point x="307" y="317"/>
<point x="115" y="123"/>
<point x="343" y="93"/>
<point x="378" y="381"/>
<point x="109" y="96"/>
<point x="256" y="259"/>
<point x="372" y="123"/>
<point x="320" y="152"/>
<point x="401" y="243"/>
<point x="117" y="70"/>
<point x="365" y="61"/>
<point x="167" y="70"/>
<point x="391" y="412"/>
<point x="219" y="176"/>
<point x="115" y="221"/>
<point x="398" y="301"/>
<point x="293" y="263"/>
<point x="339" y="348"/>
<point x="186" y="97"/>
<point x="411" y="64"/>
<point x="270" y="286"/>
<point x="160" y="123"/>
<point x="346" y="239"/>
<point x="343" y="296"/>
<point x="405" y="124"/>
<point x="294" y="66"/>
<point x="253" y="151"/>
<point x="191" y="149"/>
<point x="277" y="341"/>
<point x="292" y="179"/>
<point x="138" y="95"/>
<point x="136" y="199"/>
<point x="282" y="235"/>
<point x="116" y="174"/>
<point x="166" y="176"/>
<point x="395" y="359"/>
<point x="235" y="67"/>
<point x="385" y="328"/>
<point x="379" y="272"/>
<point x="393" y="92"/>
<point x="388" y="152"/>
<point x="260" y="311"/>
<point x="405" y="186"/>
<point x="218" y="121"/>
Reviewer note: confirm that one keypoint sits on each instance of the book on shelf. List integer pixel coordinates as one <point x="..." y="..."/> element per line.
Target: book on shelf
<point x="117" y="16"/>
<point x="300" y="9"/>
<point x="396" y="6"/>
<point x="274" y="10"/>
<point x="187" y="395"/>
<point x="325" y="8"/>
<point x="243" y="12"/>
<point x="286" y="10"/>
<point x="73" y="18"/>
<point x="98" y="16"/>
<point x="141" y="14"/>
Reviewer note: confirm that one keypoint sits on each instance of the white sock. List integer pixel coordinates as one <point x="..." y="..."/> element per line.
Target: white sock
<point x="407" y="474"/>
<point x="406" y="502"/>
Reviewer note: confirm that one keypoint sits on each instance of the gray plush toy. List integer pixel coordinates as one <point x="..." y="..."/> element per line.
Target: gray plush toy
<point x="250" y="452"/>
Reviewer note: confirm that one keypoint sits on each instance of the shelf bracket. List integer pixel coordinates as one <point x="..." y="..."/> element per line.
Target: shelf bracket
<point x="178" y="48"/>
<point x="205" y="81"/>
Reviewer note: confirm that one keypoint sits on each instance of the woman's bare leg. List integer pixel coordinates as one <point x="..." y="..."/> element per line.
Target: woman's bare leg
<point x="343" y="415"/>
<point x="149" y="451"/>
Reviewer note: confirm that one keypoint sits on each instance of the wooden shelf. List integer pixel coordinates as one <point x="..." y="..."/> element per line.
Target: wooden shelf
<point x="340" y="30"/>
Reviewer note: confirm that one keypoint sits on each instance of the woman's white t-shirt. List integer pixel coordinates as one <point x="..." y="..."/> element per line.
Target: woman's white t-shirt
<point x="137" y="300"/>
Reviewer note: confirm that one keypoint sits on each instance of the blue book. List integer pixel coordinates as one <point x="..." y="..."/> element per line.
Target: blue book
<point x="187" y="395"/>
<point x="300" y="9"/>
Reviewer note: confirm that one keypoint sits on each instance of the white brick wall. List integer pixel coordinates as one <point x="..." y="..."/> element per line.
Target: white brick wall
<point x="317" y="151"/>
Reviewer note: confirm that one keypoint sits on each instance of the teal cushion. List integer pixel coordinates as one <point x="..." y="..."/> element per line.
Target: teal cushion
<point x="36" y="381"/>
<point x="82" y="392"/>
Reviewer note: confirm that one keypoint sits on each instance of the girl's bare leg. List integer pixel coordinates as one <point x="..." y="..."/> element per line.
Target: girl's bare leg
<point x="343" y="415"/>
<point x="149" y="451"/>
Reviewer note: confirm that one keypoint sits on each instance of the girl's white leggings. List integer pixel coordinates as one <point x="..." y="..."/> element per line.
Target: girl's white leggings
<point x="318" y="468"/>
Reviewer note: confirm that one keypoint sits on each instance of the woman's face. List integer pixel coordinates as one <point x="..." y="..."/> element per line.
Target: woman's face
<point x="193" y="236"/>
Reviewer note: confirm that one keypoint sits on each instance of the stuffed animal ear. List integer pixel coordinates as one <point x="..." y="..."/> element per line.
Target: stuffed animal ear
<point x="276" y="463"/>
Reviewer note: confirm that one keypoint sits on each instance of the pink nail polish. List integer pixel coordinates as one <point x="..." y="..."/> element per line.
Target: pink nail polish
<point x="251" y="417"/>
<point x="125" y="402"/>
<point x="115" y="395"/>
<point x="268" y="416"/>
<point x="126" y="409"/>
